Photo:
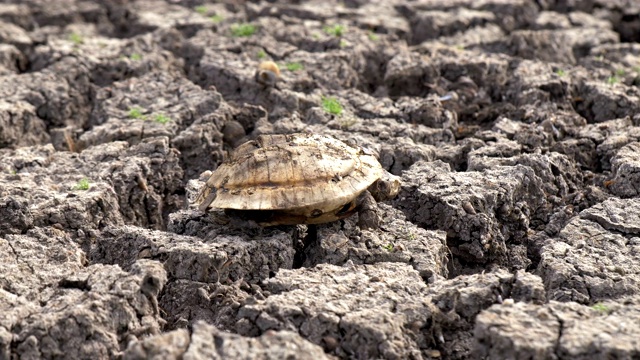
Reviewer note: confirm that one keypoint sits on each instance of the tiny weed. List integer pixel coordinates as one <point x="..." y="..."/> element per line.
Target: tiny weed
<point x="560" y="72"/>
<point x="243" y="30"/>
<point x="202" y="10"/>
<point x="388" y="247"/>
<point x="459" y="47"/>
<point x="76" y="38"/>
<point x="331" y="105"/>
<point x="316" y="36"/>
<point x="161" y="118"/>
<point x="373" y="36"/>
<point x="601" y="308"/>
<point x="82" y="185"/>
<point x="262" y="54"/>
<point x="620" y="72"/>
<point x="216" y="18"/>
<point x="135" y="57"/>
<point x="342" y="43"/>
<point x="409" y="234"/>
<point x="294" y="66"/>
<point x="335" y="30"/>
<point x="613" y="80"/>
<point x="135" y="113"/>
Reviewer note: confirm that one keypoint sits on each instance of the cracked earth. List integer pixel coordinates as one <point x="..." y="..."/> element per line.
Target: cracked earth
<point x="514" y="126"/>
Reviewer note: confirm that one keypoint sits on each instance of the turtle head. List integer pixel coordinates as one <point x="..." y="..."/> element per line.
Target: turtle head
<point x="385" y="188"/>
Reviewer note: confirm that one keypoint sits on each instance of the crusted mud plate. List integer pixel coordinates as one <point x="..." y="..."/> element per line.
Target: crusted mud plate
<point x="298" y="179"/>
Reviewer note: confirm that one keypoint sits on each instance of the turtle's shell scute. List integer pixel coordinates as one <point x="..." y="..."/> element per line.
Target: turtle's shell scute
<point x="307" y="172"/>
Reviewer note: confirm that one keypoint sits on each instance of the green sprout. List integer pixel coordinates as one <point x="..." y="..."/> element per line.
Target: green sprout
<point x="202" y="10"/>
<point x="262" y="54"/>
<point x="560" y="72"/>
<point x="216" y="18"/>
<point x="600" y="307"/>
<point x="331" y="105"/>
<point x="388" y="247"/>
<point x="135" y="57"/>
<point x="342" y="43"/>
<point x="335" y="30"/>
<point x="135" y="113"/>
<point x="620" y="72"/>
<point x="243" y="30"/>
<point x="294" y="66"/>
<point x="613" y="80"/>
<point x="82" y="184"/>
<point x="76" y="38"/>
<point x="161" y="118"/>
<point x="373" y="36"/>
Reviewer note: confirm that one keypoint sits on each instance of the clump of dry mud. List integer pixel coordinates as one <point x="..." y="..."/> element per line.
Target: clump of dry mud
<point x="514" y="125"/>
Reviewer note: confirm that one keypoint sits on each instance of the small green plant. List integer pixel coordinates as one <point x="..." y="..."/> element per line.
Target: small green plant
<point x="560" y="72"/>
<point x="388" y="247"/>
<point x="600" y="307"/>
<point x="161" y="118"/>
<point x="342" y="43"/>
<point x="135" y="57"/>
<point x="202" y="10"/>
<point x="294" y="66"/>
<point x="459" y="47"/>
<point x="373" y="36"/>
<point x="613" y="80"/>
<point x="135" y="113"/>
<point x="243" y="30"/>
<point x="411" y="235"/>
<point x="335" y="30"/>
<point x="76" y="38"/>
<point x="331" y="105"/>
<point x="620" y="72"/>
<point x="82" y="184"/>
<point x="262" y="54"/>
<point x="217" y="18"/>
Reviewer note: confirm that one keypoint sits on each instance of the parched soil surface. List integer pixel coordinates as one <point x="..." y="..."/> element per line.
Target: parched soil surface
<point x="513" y="124"/>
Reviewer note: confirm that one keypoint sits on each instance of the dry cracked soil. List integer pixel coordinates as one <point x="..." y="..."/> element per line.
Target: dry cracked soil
<point x="513" y="124"/>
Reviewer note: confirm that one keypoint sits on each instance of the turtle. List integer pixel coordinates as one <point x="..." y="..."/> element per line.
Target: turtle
<point x="268" y="73"/>
<point x="298" y="179"/>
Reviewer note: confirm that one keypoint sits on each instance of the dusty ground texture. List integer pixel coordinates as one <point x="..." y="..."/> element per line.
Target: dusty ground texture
<point x="513" y="124"/>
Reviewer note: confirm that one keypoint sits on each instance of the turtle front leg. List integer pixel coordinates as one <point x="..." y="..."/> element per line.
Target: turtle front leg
<point x="367" y="211"/>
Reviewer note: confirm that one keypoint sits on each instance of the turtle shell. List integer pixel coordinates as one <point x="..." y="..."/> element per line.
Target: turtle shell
<point x="290" y="179"/>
